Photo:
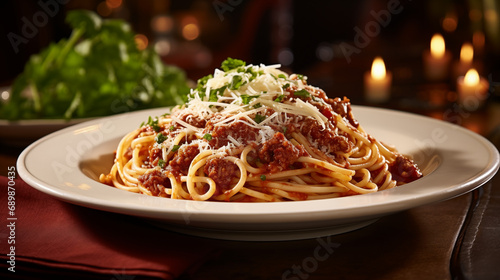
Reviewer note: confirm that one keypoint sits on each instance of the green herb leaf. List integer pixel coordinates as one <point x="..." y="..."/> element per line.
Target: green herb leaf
<point x="202" y="82"/>
<point x="302" y="93"/>
<point x="259" y="118"/>
<point x="279" y="98"/>
<point x="153" y="123"/>
<point x="283" y="76"/>
<point x="161" y="163"/>
<point x="207" y="136"/>
<point x="216" y="93"/>
<point x="236" y="82"/>
<point x="175" y="148"/>
<point x="263" y="177"/>
<point x="160" y="138"/>
<point x="231" y="63"/>
<point x="246" y="99"/>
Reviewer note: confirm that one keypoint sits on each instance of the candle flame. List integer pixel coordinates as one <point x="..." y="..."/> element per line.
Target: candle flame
<point x="471" y="77"/>
<point x="466" y="53"/>
<point x="437" y="46"/>
<point x="378" y="69"/>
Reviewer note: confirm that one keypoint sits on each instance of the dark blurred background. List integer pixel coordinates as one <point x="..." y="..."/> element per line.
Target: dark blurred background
<point x="320" y="39"/>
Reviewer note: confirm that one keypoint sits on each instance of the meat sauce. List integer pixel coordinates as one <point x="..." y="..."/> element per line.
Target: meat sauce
<point x="237" y="130"/>
<point x="155" y="181"/>
<point x="222" y="172"/>
<point x="278" y="153"/>
<point x="325" y="137"/>
<point x="404" y="170"/>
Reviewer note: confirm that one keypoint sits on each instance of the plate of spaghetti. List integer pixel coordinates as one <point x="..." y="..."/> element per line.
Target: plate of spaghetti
<point x="258" y="154"/>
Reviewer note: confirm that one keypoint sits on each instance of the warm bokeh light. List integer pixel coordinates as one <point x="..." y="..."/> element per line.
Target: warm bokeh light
<point x="378" y="69"/>
<point x="5" y="95"/>
<point x="467" y="53"/>
<point x="478" y="40"/>
<point x="162" y="24"/>
<point x="103" y="9"/>
<point x="471" y="78"/>
<point x="190" y="31"/>
<point x="438" y="47"/>
<point x="450" y="23"/>
<point x="113" y="4"/>
<point x="141" y="41"/>
<point x="162" y="47"/>
<point x="475" y="15"/>
<point x="491" y="15"/>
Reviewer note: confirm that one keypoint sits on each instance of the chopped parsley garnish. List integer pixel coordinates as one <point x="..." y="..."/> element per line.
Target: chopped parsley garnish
<point x="175" y="148"/>
<point x="160" y="138"/>
<point x="245" y="98"/>
<point x="263" y="177"/>
<point x="215" y="93"/>
<point x="231" y="63"/>
<point x="207" y="136"/>
<point x="202" y="82"/>
<point x="236" y="82"/>
<point x="153" y="123"/>
<point x="259" y="118"/>
<point x="279" y="98"/>
<point x="286" y="86"/>
<point x="161" y="163"/>
<point x="285" y="129"/>
<point x="302" y="93"/>
<point x="282" y="76"/>
<point x="300" y="76"/>
<point x="171" y="128"/>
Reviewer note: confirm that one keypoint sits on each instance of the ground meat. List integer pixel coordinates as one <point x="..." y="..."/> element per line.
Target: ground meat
<point x="343" y="108"/>
<point x="155" y="181"/>
<point x="182" y="159"/>
<point x="240" y="131"/>
<point x="222" y="172"/>
<point x="326" y="139"/>
<point x="154" y="155"/>
<point x="404" y="170"/>
<point x="278" y="153"/>
<point x="193" y="120"/>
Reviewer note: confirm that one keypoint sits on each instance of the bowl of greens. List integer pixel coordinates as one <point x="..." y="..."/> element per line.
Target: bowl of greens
<point x="97" y="71"/>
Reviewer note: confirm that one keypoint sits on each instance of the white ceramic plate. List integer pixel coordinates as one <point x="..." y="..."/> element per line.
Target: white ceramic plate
<point x="25" y="132"/>
<point x="21" y="133"/>
<point x="66" y="164"/>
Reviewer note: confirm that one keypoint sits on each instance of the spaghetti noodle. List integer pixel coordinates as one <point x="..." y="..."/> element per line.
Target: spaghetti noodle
<point x="254" y="133"/>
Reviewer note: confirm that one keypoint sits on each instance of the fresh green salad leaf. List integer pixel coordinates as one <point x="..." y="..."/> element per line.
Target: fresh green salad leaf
<point x="97" y="71"/>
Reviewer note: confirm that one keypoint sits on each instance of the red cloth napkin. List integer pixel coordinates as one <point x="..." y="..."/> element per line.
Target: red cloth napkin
<point x="58" y="240"/>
